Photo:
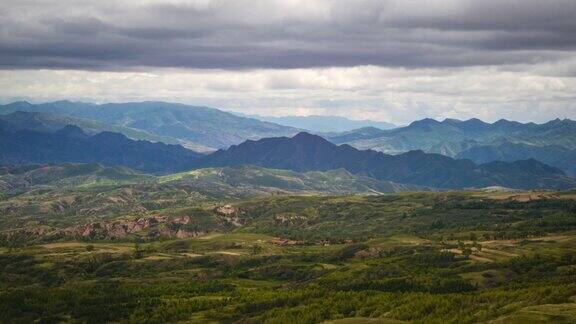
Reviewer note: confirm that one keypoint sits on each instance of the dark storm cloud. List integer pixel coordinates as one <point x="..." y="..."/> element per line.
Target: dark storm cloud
<point x="239" y="34"/>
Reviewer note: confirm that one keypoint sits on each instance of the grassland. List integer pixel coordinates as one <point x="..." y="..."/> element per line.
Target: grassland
<point x="457" y="257"/>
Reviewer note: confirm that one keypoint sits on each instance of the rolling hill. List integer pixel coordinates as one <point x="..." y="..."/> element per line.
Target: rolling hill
<point x="230" y="182"/>
<point x="68" y="175"/>
<point x="200" y="126"/>
<point x="247" y="179"/>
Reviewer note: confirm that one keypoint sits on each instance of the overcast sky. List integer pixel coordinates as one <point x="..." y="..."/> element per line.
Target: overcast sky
<point x="386" y="60"/>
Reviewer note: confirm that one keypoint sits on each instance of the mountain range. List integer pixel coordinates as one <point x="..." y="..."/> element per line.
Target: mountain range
<point x="324" y="124"/>
<point x="553" y="142"/>
<point x="71" y="144"/>
<point x="307" y="152"/>
<point x="451" y="136"/>
<point x="195" y="126"/>
<point x="144" y="136"/>
<point x="49" y="123"/>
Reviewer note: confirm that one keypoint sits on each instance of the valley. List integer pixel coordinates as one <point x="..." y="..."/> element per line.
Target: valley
<point x="150" y="212"/>
<point x="287" y="162"/>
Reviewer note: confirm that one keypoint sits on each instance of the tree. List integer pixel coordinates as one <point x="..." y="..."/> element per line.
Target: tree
<point x="466" y="252"/>
<point x="138" y="253"/>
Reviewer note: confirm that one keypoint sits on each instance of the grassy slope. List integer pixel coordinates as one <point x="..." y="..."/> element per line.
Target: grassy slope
<point x="270" y="180"/>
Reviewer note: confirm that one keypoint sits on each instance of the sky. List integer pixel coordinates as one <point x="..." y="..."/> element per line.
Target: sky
<point x="393" y="61"/>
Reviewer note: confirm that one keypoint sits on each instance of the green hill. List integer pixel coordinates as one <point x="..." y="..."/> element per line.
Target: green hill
<point x="68" y="175"/>
<point x="254" y="180"/>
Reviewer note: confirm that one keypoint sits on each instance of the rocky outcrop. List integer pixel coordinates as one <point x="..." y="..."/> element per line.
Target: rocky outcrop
<point x="230" y="215"/>
<point x="144" y="227"/>
<point x="290" y="218"/>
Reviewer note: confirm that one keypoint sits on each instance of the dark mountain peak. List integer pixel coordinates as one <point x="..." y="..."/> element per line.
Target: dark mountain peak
<point x="503" y="121"/>
<point x="559" y="125"/>
<point x="510" y="125"/>
<point x="475" y="121"/>
<point x="474" y="124"/>
<point x="307" y="152"/>
<point x="304" y="137"/>
<point x="451" y="121"/>
<point x="425" y="123"/>
<point x="72" y="131"/>
<point x="112" y="137"/>
<point x="415" y="153"/>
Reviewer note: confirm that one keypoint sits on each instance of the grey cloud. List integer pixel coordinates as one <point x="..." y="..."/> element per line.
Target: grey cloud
<point x="239" y="34"/>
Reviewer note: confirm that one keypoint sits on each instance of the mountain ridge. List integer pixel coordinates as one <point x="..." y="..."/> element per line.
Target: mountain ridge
<point x="323" y="123"/>
<point x="71" y="144"/>
<point x="451" y="136"/>
<point x="307" y="152"/>
<point x="199" y="125"/>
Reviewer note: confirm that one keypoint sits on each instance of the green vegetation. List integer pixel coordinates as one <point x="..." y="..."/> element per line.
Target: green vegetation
<point x="457" y="257"/>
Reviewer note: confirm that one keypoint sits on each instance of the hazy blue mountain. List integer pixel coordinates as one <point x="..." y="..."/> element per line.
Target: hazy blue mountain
<point x="306" y="152"/>
<point x="71" y="144"/>
<point x="324" y="124"/>
<point x="203" y="126"/>
<point x="354" y="135"/>
<point x="44" y="122"/>
<point x="554" y="155"/>
<point x="451" y="136"/>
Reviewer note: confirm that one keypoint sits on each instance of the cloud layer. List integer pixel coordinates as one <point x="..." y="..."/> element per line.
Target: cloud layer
<point x="389" y="60"/>
<point x="239" y="34"/>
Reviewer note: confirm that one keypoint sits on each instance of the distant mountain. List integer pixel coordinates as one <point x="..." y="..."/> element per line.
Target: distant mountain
<point x="21" y="178"/>
<point x="202" y="126"/>
<point x="43" y="122"/>
<point x="554" y="155"/>
<point x="306" y="152"/>
<point x="71" y="144"/>
<point x="355" y="134"/>
<point x="324" y="124"/>
<point x="451" y="136"/>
